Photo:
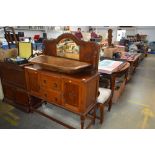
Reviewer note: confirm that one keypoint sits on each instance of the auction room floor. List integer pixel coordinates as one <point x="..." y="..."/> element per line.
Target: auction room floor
<point x="134" y="110"/>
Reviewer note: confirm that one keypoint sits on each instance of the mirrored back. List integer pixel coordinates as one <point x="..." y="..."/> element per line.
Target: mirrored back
<point x="67" y="48"/>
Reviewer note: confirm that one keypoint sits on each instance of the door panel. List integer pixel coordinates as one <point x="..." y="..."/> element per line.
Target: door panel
<point x="33" y="83"/>
<point x="71" y="94"/>
<point x="9" y="92"/>
<point x="21" y="97"/>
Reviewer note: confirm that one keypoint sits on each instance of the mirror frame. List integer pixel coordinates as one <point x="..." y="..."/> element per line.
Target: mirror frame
<point x="89" y="51"/>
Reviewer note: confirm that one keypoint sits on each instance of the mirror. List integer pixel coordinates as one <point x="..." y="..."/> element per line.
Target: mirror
<point x="67" y="48"/>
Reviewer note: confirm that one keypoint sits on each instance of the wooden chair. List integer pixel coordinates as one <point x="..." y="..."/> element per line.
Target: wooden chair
<point x="106" y="94"/>
<point x="11" y="36"/>
<point x="104" y="98"/>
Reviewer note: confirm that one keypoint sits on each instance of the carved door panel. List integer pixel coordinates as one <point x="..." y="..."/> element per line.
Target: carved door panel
<point x="33" y="82"/>
<point x="71" y="95"/>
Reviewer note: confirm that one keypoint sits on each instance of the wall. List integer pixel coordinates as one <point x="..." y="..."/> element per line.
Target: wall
<point x="144" y="30"/>
<point x="147" y="30"/>
<point x="1" y="34"/>
<point x="83" y="28"/>
<point x="104" y="31"/>
<point x="55" y="34"/>
<point x="130" y="31"/>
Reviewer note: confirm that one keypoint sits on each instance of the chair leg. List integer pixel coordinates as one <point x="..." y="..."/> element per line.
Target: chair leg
<point x="101" y="113"/>
<point x="110" y="105"/>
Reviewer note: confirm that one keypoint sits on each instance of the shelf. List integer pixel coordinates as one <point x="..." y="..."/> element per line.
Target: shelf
<point x="29" y="29"/>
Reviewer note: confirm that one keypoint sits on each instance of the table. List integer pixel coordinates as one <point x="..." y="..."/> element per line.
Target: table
<point x="134" y="60"/>
<point x="113" y="77"/>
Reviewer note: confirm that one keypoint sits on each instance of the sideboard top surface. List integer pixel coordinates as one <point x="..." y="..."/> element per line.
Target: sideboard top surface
<point x="60" y="64"/>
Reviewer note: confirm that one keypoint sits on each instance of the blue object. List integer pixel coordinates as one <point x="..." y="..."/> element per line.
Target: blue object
<point x="152" y="52"/>
<point x="38" y="46"/>
<point x="152" y="45"/>
<point x="6" y="47"/>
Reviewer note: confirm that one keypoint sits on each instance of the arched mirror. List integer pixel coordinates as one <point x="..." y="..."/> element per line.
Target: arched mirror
<point x="67" y="48"/>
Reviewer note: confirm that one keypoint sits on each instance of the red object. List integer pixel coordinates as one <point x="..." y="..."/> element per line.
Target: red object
<point x="79" y="35"/>
<point x="36" y="37"/>
<point x="94" y="35"/>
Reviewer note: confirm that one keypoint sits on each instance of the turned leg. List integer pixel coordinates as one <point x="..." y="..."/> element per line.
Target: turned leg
<point x="110" y="105"/>
<point x="30" y="103"/>
<point x="82" y="117"/>
<point x="101" y="113"/>
<point x="94" y="114"/>
<point x="45" y="102"/>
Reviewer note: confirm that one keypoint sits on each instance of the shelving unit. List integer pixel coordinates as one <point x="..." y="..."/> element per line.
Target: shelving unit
<point x="30" y="28"/>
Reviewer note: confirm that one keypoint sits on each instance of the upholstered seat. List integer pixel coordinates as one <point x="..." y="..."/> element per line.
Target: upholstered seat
<point x="105" y="97"/>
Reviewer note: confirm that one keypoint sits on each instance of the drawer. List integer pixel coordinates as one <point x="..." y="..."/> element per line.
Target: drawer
<point x="50" y="82"/>
<point x="51" y="96"/>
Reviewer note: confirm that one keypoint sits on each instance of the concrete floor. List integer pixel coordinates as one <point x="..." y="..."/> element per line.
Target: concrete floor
<point x="134" y="110"/>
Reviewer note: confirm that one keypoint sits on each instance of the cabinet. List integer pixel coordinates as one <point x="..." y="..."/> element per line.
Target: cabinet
<point x="74" y="93"/>
<point x="14" y="85"/>
<point x="64" y="82"/>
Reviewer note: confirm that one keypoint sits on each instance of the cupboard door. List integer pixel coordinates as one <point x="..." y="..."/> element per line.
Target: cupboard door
<point x="33" y="82"/>
<point x="21" y="97"/>
<point x="14" y="75"/>
<point x="71" y="95"/>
